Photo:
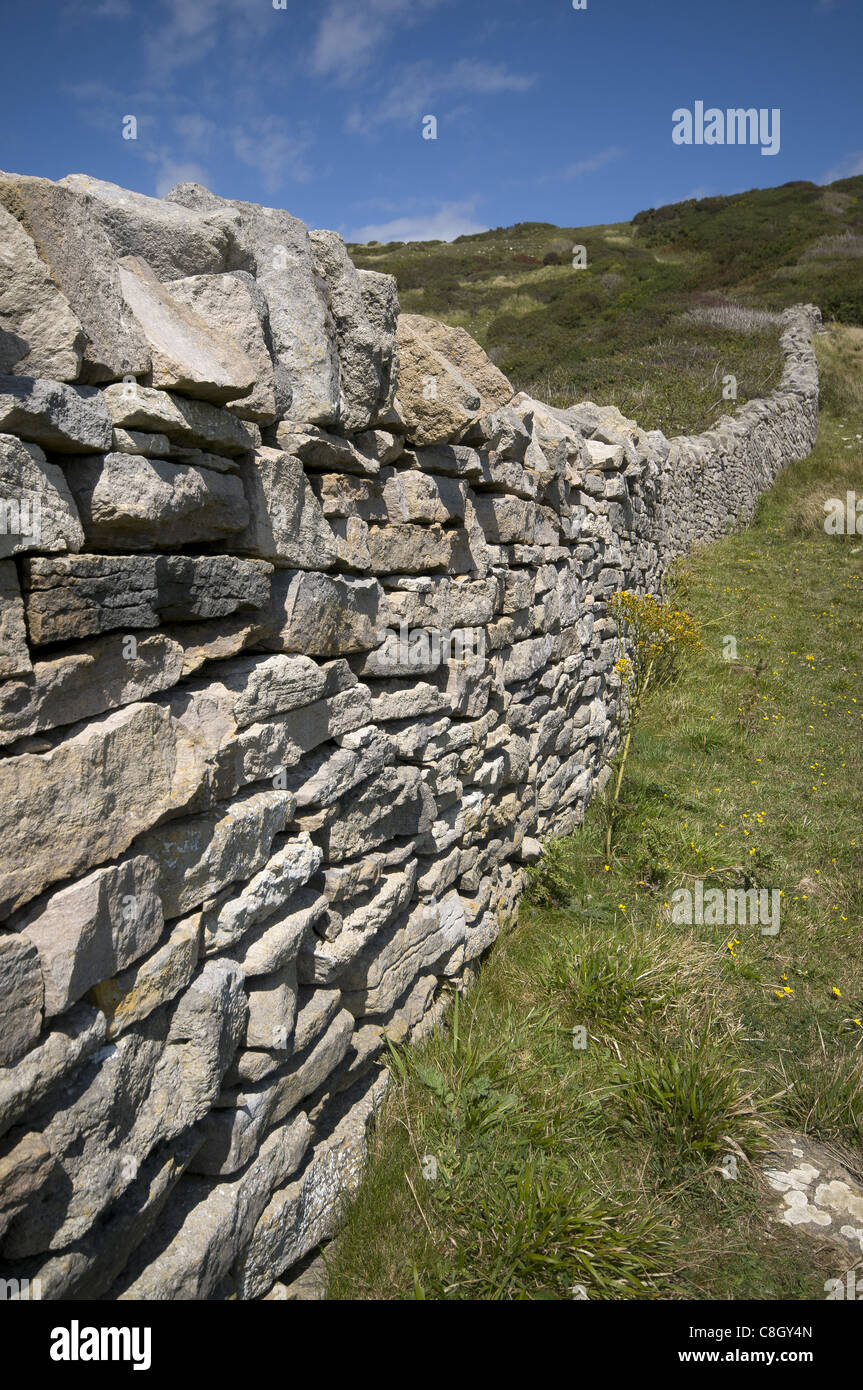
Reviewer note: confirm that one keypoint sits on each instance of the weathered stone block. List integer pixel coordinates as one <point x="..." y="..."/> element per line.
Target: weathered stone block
<point x="366" y="341"/>
<point x="323" y="615"/>
<point x="277" y="249"/>
<point x="135" y="993"/>
<point x="128" y="502"/>
<point x="71" y="241"/>
<point x="186" y="354"/>
<point x="175" y="241"/>
<point x="67" y="810"/>
<point x="39" y="334"/>
<point x="14" y="653"/>
<point x="227" y="304"/>
<point x="88" y="594"/>
<point x="286" y="524"/>
<point x="21" y="996"/>
<point x="66" y="419"/>
<point x="198" y="856"/>
<point x="88" y="681"/>
<point x="198" y="424"/>
<point x="93" y="928"/>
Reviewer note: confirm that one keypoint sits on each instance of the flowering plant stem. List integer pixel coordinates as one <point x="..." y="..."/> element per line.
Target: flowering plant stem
<point x="640" y="691"/>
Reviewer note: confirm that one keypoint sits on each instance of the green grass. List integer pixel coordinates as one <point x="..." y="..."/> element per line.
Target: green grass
<point x="582" y="1103"/>
<point x="615" y="331"/>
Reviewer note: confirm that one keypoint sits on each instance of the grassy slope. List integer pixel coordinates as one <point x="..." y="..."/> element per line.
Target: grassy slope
<point x="599" y="1167"/>
<point x="613" y="332"/>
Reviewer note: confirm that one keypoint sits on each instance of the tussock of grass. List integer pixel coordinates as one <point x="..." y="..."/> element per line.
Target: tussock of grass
<point x="691" y="1100"/>
<point x="735" y="317"/>
<point x="847" y="246"/>
<point x="823" y="1094"/>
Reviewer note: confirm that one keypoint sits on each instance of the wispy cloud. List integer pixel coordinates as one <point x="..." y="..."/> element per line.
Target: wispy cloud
<point x="352" y="32"/>
<point x="171" y="171"/>
<point x="189" y="30"/>
<point x="419" y="87"/>
<point x="444" y="224"/>
<point x="590" y="165"/>
<point x="846" y="168"/>
<point x="77" y="10"/>
<point x="263" y="145"/>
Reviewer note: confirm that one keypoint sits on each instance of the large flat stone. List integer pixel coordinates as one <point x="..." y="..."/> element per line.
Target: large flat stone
<point x="227" y="305"/>
<point x="275" y="247"/>
<point x="199" y="424"/>
<point x="88" y="681"/>
<point x="36" y="507"/>
<point x="90" y="594"/>
<point x="318" y="448"/>
<point x="286" y="523"/>
<point x="408" y="549"/>
<point x="65" y="419"/>
<point x="39" y="334"/>
<point x="128" y="502"/>
<point x="95" y="927"/>
<point x="173" y="240"/>
<point x="21" y="996"/>
<point x="446" y="381"/>
<point x="323" y="615"/>
<point x="82" y="803"/>
<point x="187" y="355"/>
<point x="73" y="244"/>
<point x="411" y="496"/>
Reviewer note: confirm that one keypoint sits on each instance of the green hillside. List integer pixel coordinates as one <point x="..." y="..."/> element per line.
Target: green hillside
<point x="649" y="324"/>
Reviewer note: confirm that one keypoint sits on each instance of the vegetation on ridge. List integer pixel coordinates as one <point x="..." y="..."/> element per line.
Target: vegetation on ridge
<point x="622" y="331"/>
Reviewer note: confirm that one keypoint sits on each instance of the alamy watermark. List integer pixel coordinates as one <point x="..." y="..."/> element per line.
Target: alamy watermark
<point x="430" y="647"/>
<point x="850" y="1288"/>
<point x="734" y="907"/>
<point x="20" y="1290"/>
<point x="21" y="516"/>
<point x="735" y="126"/>
<point x="844" y="518"/>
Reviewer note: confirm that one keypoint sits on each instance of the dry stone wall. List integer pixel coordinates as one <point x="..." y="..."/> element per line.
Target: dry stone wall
<point x="303" y="646"/>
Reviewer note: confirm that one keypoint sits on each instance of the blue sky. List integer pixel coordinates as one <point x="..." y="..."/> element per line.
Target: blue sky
<point x="544" y="112"/>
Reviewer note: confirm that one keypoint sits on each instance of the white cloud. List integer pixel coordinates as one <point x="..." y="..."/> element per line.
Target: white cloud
<point x="352" y="31"/>
<point x="196" y="131"/>
<point x="847" y="168"/>
<point x="264" y="146"/>
<point x="97" y="9"/>
<point x="449" y="221"/>
<point x="419" y="87"/>
<point x="590" y="165"/>
<point x="171" y="171"/>
<point x="192" y="28"/>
